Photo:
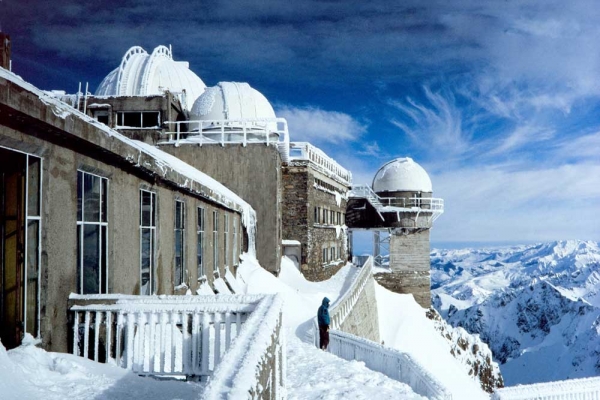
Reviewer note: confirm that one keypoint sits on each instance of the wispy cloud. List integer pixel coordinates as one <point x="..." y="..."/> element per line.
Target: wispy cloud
<point x="320" y="126"/>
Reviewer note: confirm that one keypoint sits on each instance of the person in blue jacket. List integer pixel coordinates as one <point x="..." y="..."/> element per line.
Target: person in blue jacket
<point x="323" y="321"/>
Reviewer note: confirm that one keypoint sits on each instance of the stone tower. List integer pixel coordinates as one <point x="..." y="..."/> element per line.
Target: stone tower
<point x="401" y="206"/>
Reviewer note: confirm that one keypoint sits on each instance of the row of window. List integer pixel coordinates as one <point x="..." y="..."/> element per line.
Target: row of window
<point x="325" y="216"/>
<point x="130" y="119"/>
<point x="331" y="254"/>
<point x="92" y="233"/>
<point x="326" y="185"/>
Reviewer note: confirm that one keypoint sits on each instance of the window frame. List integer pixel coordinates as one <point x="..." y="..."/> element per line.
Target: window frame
<point x="102" y="224"/>
<point x="152" y="229"/>
<point x="179" y="229"/>
<point x="215" y="242"/>
<point x="200" y="241"/>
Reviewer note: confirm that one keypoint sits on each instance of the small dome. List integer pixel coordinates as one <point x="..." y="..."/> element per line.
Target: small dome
<point x="233" y="101"/>
<point x="401" y="175"/>
<point x="143" y="74"/>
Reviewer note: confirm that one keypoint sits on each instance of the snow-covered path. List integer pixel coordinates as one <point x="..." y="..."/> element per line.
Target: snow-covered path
<point x="315" y="374"/>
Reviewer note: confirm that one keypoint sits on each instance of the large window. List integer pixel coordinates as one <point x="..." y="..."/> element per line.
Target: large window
<point x="179" y="242"/>
<point x="324" y="255"/>
<point x="147" y="242"/>
<point x="200" y="244"/>
<point x="138" y="119"/>
<point x="92" y="226"/>
<point x="215" y="242"/>
<point x="225" y="241"/>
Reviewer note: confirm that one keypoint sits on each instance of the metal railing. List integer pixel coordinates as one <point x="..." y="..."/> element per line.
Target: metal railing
<point x="390" y="362"/>
<point x="306" y="151"/>
<point x="572" y="389"/>
<point x="160" y="335"/>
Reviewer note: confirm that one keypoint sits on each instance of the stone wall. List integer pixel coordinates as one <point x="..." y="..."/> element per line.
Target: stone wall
<point x="363" y="320"/>
<point x="254" y="173"/>
<point x="417" y="283"/>
<point x="409" y="250"/>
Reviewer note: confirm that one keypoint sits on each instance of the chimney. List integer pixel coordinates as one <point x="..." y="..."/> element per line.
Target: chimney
<point x="5" y="51"/>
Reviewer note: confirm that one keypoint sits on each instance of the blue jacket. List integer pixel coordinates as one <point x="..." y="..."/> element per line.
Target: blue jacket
<point x="323" y="313"/>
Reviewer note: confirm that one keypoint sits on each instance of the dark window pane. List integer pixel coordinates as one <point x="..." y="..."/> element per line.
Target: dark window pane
<point x="200" y="251"/>
<point x="132" y="119"/>
<point x="33" y="187"/>
<point x="150" y="119"/>
<point x="146" y="258"/>
<point x="91" y="197"/>
<point x="104" y="201"/>
<point x="153" y="216"/>
<point x="91" y="259"/>
<point x="103" y="260"/>
<point x="146" y="208"/>
<point x="79" y="195"/>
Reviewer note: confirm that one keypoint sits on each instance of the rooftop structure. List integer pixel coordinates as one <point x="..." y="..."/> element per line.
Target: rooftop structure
<point x="401" y="174"/>
<point x="143" y="74"/>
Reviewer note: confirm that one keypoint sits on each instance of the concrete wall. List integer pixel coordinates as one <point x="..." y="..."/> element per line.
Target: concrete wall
<point x="254" y="173"/>
<point x="363" y="320"/>
<point x="66" y="145"/>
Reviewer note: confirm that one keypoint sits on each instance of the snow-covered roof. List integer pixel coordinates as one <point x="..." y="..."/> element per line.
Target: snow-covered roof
<point x="231" y="101"/>
<point x="401" y="174"/>
<point x="143" y="74"/>
<point x="148" y="157"/>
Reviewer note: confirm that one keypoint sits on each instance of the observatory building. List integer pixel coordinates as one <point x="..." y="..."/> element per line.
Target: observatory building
<point x="400" y="210"/>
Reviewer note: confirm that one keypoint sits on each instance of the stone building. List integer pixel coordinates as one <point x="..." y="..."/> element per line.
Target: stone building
<point x="315" y="192"/>
<point x="84" y="209"/>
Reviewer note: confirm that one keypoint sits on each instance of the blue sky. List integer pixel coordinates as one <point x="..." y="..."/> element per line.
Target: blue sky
<point x="497" y="100"/>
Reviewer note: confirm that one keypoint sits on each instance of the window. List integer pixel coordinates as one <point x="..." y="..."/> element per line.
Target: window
<point x="318" y="218"/>
<point x="33" y="245"/>
<point x="179" y="242"/>
<point x="324" y="255"/>
<point x="339" y="218"/>
<point x="225" y="243"/>
<point x="147" y="242"/>
<point x="200" y="243"/>
<point x="101" y="116"/>
<point x="215" y="242"/>
<point x="92" y="227"/>
<point x="324" y="216"/>
<point x="332" y="217"/>
<point x="316" y="215"/>
<point x="138" y="119"/>
<point x="332" y="252"/>
<point x="234" y="254"/>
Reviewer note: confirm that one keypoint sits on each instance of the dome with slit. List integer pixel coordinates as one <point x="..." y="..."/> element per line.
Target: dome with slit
<point x="231" y="101"/>
<point x="401" y="175"/>
<point x="143" y="74"/>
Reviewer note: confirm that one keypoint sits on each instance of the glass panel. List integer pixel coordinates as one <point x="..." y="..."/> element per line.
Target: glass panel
<point x="104" y="260"/>
<point x="91" y="261"/>
<point x="153" y="214"/>
<point x="32" y="276"/>
<point x="104" y="198"/>
<point x="146" y="208"/>
<point x="200" y="251"/>
<point x="150" y="119"/>
<point x="91" y="196"/>
<point x="178" y="256"/>
<point x="33" y="190"/>
<point x="133" y="119"/>
<point x="79" y="194"/>
<point x="146" y="260"/>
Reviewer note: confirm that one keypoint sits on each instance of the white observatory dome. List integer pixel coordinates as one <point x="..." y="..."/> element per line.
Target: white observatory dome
<point x="232" y="101"/>
<point x="143" y="74"/>
<point x="401" y="175"/>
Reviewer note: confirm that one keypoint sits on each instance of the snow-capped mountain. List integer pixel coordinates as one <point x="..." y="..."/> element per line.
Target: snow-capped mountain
<point x="537" y="306"/>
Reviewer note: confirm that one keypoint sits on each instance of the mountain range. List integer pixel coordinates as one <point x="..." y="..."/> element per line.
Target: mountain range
<point x="536" y="306"/>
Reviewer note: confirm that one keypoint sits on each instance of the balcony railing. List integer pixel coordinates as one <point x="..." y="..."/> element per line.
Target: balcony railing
<point x="241" y="131"/>
<point x="162" y="335"/>
<point x="585" y="388"/>
<point x="306" y="151"/>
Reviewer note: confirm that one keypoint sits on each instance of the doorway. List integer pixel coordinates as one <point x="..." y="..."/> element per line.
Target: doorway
<point x="20" y="232"/>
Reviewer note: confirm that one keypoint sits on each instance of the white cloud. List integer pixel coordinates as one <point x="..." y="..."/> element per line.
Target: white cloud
<point x="315" y="125"/>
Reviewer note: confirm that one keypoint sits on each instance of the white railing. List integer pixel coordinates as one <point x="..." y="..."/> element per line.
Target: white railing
<point x="229" y="131"/>
<point x="390" y="362"/>
<point x="159" y="335"/>
<point x="305" y="151"/>
<point x="573" y="389"/>
<point x="255" y="366"/>
<point x="342" y="307"/>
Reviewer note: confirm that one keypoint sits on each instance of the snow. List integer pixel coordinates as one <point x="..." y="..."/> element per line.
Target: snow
<point x="587" y="388"/>
<point x="401" y="174"/>
<point x="290" y="243"/>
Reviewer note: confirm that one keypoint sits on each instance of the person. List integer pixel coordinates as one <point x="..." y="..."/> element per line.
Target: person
<point x="323" y="321"/>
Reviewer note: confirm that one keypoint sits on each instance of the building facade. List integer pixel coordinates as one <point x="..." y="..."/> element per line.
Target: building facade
<point x="87" y="210"/>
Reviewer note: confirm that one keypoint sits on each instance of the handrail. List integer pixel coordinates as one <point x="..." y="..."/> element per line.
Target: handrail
<point x="393" y="363"/>
<point x="160" y="335"/>
<point x="343" y="306"/>
<point x="254" y="367"/>
<point x="300" y="151"/>
<point x="394" y="204"/>
<point x="585" y="388"/>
